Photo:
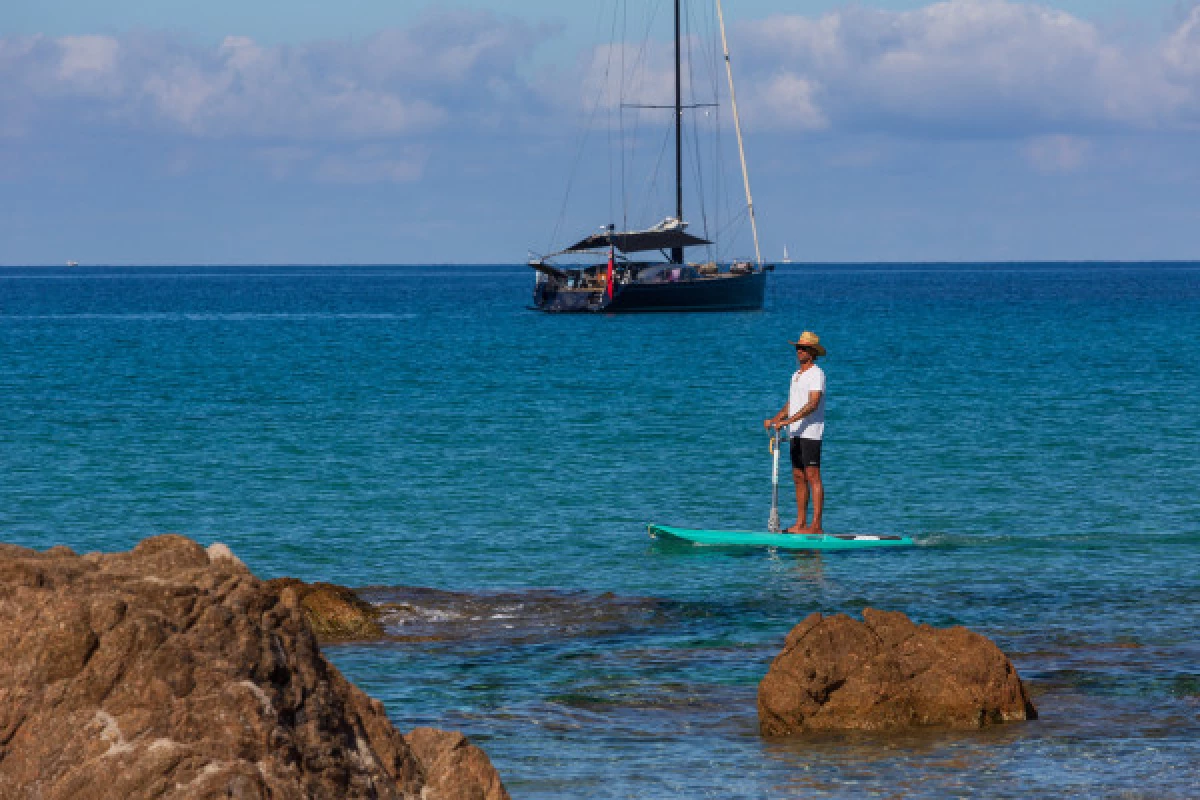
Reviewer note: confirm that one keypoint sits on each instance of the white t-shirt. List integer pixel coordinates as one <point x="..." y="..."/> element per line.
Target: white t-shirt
<point x="803" y="382"/>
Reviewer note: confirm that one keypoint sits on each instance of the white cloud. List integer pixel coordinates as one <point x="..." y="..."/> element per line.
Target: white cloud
<point x="181" y="93"/>
<point x="976" y="67"/>
<point x="87" y="57"/>
<point x="960" y="68"/>
<point x="793" y="99"/>
<point x="457" y="67"/>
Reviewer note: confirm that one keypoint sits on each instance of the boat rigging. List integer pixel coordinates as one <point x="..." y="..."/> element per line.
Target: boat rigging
<point x="624" y="283"/>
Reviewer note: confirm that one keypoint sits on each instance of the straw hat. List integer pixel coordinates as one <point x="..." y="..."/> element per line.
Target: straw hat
<point x="810" y="340"/>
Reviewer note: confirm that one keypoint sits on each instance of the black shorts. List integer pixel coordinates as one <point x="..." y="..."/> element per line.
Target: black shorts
<point x="805" y="453"/>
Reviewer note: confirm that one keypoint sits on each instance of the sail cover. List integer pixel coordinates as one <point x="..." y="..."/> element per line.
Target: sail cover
<point x="638" y="241"/>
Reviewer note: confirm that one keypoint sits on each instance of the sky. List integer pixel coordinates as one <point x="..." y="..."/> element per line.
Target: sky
<point x="389" y="132"/>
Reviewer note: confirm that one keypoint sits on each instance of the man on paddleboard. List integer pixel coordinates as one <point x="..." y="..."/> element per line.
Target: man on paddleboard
<point x="804" y="415"/>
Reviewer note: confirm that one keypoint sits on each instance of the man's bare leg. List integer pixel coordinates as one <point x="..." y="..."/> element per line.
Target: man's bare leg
<point x="801" y="501"/>
<point x="813" y="478"/>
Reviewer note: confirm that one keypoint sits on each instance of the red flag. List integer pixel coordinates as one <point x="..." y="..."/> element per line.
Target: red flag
<point x="610" y="273"/>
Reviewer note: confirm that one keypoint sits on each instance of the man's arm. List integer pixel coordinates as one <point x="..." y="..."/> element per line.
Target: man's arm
<point x="777" y="420"/>
<point x="814" y="400"/>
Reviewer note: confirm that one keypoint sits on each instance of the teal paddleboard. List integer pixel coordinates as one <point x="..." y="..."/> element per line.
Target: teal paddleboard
<point x="789" y="541"/>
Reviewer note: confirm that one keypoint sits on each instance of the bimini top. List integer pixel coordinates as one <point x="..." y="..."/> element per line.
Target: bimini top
<point x="666" y="235"/>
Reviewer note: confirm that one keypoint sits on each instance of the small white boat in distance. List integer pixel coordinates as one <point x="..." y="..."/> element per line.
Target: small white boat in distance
<point x="786" y="258"/>
<point x="72" y="263"/>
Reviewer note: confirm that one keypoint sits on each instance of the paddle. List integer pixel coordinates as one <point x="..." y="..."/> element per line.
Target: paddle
<point x="773" y="525"/>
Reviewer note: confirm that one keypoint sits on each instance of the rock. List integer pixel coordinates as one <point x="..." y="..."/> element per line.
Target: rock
<point x="164" y="672"/>
<point x="217" y="551"/>
<point x="887" y="673"/>
<point x="455" y="769"/>
<point x="335" y="612"/>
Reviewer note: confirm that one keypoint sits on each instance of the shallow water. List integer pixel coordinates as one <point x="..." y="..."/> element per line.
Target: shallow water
<point x="1035" y="426"/>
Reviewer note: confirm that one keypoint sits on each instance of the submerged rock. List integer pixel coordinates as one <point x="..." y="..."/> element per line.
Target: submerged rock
<point x="335" y="612"/>
<point x="887" y="673"/>
<point x="171" y="671"/>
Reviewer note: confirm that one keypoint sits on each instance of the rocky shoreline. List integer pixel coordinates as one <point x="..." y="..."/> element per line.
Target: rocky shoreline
<point x="171" y="671"/>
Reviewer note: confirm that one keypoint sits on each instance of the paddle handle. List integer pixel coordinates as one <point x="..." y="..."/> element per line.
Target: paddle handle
<point x="773" y="521"/>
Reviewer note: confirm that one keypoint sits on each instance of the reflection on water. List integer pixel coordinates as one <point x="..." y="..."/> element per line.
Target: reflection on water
<point x="802" y="566"/>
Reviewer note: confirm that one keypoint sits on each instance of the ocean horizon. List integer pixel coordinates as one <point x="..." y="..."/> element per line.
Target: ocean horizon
<point x="794" y="264"/>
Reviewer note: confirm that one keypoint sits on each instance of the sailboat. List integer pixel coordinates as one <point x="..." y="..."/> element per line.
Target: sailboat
<point x="786" y="258"/>
<point x="622" y="277"/>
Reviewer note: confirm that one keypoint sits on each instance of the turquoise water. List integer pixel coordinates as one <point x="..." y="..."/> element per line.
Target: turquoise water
<point x="1034" y="425"/>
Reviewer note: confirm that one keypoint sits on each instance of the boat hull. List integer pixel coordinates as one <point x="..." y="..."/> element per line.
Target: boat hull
<point x="727" y="292"/>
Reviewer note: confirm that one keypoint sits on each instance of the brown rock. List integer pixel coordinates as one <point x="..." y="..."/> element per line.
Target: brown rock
<point x="887" y="673"/>
<point x="455" y="769"/>
<point x="335" y="612"/>
<point x="169" y="671"/>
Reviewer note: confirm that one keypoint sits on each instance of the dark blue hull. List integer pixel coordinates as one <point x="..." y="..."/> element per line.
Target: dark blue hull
<point x="725" y="292"/>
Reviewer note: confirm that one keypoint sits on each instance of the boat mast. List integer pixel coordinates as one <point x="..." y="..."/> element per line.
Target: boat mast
<point x="737" y="124"/>
<point x="677" y="252"/>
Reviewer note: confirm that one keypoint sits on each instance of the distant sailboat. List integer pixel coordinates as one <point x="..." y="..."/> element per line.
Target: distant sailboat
<point x="786" y="258"/>
<point x="616" y="282"/>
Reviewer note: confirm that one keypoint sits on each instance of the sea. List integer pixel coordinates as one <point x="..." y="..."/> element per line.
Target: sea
<point x="419" y="433"/>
